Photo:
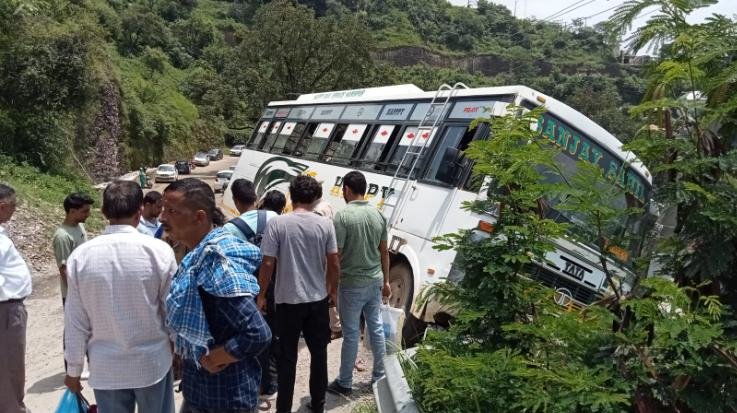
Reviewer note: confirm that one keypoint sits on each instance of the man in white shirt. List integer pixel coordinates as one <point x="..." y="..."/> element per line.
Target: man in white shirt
<point x="149" y="223"/>
<point x="115" y="310"/>
<point x="15" y="286"/>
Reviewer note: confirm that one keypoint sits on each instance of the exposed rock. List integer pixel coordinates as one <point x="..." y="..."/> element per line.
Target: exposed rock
<point x="103" y="158"/>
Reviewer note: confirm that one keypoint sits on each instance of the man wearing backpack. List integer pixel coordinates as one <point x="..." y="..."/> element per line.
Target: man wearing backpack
<point x="250" y="226"/>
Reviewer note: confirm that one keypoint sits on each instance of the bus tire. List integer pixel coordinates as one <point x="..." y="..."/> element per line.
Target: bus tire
<point x="402" y="285"/>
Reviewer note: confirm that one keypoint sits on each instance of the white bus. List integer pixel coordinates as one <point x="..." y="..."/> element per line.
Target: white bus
<point x="404" y="139"/>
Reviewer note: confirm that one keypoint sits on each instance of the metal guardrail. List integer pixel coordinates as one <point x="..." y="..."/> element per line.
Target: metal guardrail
<point x="392" y="393"/>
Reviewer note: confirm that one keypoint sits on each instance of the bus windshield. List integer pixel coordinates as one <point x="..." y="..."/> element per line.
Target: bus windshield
<point x="627" y="229"/>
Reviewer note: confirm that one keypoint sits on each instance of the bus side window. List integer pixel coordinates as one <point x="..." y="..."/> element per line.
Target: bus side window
<point x="312" y="144"/>
<point x="288" y="135"/>
<point x="259" y="136"/>
<point x="411" y="133"/>
<point x="343" y="146"/>
<point x="265" y="145"/>
<point x="377" y="151"/>
<point x="454" y="137"/>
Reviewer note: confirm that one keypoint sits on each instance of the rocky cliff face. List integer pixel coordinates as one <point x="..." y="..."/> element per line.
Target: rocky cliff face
<point x="103" y="159"/>
<point x="487" y="64"/>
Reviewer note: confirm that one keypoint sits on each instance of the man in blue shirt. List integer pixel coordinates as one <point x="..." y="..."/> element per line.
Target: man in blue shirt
<point x="210" y="307"/>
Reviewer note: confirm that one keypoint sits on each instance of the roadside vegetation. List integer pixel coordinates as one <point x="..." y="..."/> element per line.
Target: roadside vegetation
<point x="664" y="340"/>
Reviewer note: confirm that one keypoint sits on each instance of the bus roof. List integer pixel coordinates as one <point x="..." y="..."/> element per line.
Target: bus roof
<point x="412" y="92"/>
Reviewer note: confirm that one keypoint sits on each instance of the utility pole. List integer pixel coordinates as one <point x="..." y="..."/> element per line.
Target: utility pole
<point x="515" y="9"/>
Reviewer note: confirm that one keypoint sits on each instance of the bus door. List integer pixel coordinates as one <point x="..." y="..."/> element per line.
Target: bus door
<point x="434" y="205"/>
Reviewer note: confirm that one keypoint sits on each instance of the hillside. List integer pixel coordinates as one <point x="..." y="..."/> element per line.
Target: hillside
<point x="96" y="87"/>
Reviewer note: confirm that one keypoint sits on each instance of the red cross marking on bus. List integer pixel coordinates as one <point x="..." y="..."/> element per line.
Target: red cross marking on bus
<point x="355" y="131"/>
<point x="425" y="135"/>
<point x="324" y="129"/>
<point x="384" y="132"/>
<point x="410" y="136"/>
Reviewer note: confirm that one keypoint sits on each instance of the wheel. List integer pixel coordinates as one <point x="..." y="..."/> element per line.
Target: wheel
<point x="401" y="282"/>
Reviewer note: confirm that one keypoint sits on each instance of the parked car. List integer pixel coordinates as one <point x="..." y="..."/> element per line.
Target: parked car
<point x="237" y="150"/>
<point x="215" y="154"/>
<point x="166" y="173"/>
<point x="222" y="179"/>
<point x="201" y="159"/>
<point x="183" y="167"/>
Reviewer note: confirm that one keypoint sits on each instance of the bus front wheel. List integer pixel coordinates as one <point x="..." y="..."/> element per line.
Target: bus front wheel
<point x="400" y="280"/>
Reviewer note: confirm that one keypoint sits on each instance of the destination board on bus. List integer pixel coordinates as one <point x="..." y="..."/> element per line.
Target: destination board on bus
<point x="422" y="108"/>
<point x="472" y="109"/>
<point x="396" y="112"/>
<point x="269" y="112"/>
<point x="361" y="112"/>
<point x="327" y="112"/>
<point x="301" y="112"/>
<point x="282" y="112"/>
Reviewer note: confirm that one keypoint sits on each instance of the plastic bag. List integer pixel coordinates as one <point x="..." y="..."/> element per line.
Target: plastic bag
<point x="74" y="403"/>
<point x="393" y="319"/>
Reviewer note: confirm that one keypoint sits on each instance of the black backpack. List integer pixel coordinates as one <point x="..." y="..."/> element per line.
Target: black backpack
<point x="252" y="237"/>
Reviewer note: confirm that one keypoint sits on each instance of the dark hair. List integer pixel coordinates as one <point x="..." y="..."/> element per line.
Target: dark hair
<point x="275" y="201"/>
<point x="151" y="197"/>
<point x="356" y="182"/>
<point x="305" y="189"/>
<point x="198" y="195"/>
<point x="77" y="200"/>
<point x="121" y="199"/>
<point x="6" y="192"/>
<point x="243" y="191"/>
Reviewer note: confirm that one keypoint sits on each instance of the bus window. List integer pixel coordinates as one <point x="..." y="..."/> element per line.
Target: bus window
<point x="454" y="137"/>
<point x="259" y="135"/>
<point x="265" y="145"/>
<point x="291" y="132"/>
<point x="343" y="146"/>
<point x="377" y="150"/>
<point x="274" y="134"/>
<point x="410" y="134"/>
<point x="313" y="144"/>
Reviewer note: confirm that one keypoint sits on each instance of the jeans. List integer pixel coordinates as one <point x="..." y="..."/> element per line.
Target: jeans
<point x="311" y="319"/>
<point x="158" y="397"/>
<point x="352" y="301"/>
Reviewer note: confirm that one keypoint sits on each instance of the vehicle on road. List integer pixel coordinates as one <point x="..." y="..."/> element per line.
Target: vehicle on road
<point x="222" y="179"/>
<point x="236" y="150"/>
<point x="215" y="154"/>
<point x="183" y="167"/>
<point x="409" y="145"/>
<point x="201" y="159"/>
<point x="166" y="173"/>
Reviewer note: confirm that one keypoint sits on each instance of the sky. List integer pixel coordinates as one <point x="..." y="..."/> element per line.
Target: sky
<point x="541" y="9"/>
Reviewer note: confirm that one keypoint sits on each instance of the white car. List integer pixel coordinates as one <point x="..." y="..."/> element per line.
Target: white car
<point x="201" y="159"/>
<point x="236" y="150"/>
<point x="222" y="179"/>
<point x="166" y="173"/>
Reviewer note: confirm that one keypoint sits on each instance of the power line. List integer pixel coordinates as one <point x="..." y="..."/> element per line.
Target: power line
<point x="601" y="12"/>
<point x="558" y="13"/>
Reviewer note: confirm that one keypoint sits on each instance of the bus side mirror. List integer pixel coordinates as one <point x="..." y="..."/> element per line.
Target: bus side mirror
<point x="450" y="167"/>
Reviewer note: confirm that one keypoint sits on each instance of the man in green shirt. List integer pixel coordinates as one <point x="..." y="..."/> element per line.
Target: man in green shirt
<point x="70" y="234"/>
<point x="361" y="234"/>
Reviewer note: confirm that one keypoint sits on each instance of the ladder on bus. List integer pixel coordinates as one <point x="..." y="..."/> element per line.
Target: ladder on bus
<point x="400" y="183"/>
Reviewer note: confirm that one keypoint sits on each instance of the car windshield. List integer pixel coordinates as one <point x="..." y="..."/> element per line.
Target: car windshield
<point x="213" y="151"/>
<point x="166" y="168"/>
<point x="225" y="174"/>
<point x="238" y="147"/>
<point x="200" y="155"/>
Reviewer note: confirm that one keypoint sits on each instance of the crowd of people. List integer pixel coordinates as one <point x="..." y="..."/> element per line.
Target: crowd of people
<point x="170" y="290"/>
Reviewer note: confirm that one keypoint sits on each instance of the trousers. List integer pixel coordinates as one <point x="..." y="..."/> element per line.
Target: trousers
<point x="13" y="320"/>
